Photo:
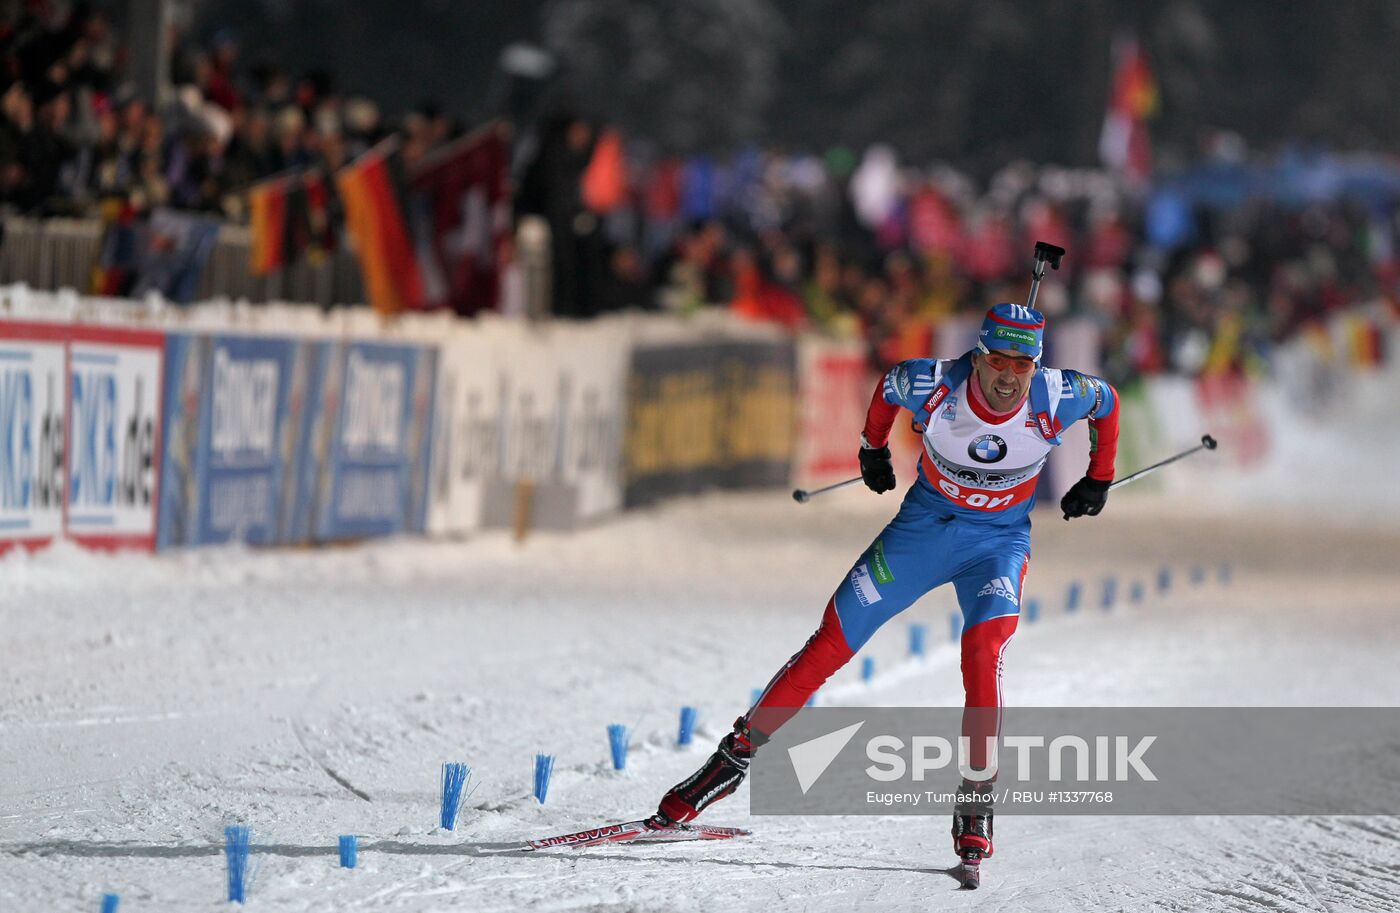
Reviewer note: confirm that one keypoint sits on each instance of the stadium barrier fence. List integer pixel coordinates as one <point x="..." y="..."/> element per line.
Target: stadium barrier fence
<point x="135" y="424"/>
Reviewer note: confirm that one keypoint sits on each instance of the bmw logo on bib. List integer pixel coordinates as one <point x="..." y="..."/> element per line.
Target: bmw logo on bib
<point x="987" y="449"/>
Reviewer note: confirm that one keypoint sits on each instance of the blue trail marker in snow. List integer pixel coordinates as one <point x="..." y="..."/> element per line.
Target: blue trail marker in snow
<point x="109" y="903"/>
<point x="867" y="668"/>
<point x="237" y="845"/>
<point x="1072" y="597"/>
<point x="1110" y="592"/>
<point x="349" y="850"/>
<point x="544" y="767"/>
<point x="917" y="633"/>
<point x="1032" y="610"/>
<point x="454" y="780"/>
<point x="687" y="727"/>
<point x="617" y="742"/>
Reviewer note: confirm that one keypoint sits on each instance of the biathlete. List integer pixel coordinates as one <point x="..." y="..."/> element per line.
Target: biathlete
<point x="989" y="420"/>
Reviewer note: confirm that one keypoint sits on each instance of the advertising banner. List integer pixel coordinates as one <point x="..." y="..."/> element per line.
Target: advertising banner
<point x="377" y="475"/>
<point x="33" y="400"/>
<point x="315" y="410"/>
<point x="561" y="414"/>
<point x="535" y="405"/>
<point x="420" y="439"/>
<point x="466" y="432"/>
<point x="528" y="383"/>
<point x="835" y="383"/>
<point x="114" y="410"/>
<point x="231" y="442"/>
<point x="186" y="377"/>
<point x="715" y="414"/>
<point x="592" y="363"/>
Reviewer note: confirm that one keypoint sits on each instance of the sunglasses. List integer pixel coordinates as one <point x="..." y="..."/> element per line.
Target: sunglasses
<point x="1002" y="362"/>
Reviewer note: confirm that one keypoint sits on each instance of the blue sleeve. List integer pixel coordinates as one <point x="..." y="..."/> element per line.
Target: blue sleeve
<point x="1084" y="396"/>
<point x="910" y="383"/>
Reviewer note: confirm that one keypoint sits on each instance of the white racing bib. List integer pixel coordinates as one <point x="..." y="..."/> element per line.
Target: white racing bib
<point x="980" y="465"/>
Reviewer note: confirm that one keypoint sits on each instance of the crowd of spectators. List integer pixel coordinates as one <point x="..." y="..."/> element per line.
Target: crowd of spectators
<point x="863" y="247"/>
<point x="74" y="134"/>
<point x="859" y="246"/>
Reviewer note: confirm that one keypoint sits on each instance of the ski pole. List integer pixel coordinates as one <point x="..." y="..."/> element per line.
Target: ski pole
<point x="1207" y="443"/>
<point x="802" y="496"/>
<point x="1044" y="252"/>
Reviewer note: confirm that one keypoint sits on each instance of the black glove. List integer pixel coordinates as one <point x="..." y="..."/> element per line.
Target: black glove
<point x="877" y="469"/>
<point x="1086" y="497"/>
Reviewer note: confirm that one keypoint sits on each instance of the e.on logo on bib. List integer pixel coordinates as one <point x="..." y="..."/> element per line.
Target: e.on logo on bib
<point x="978" y="499"/>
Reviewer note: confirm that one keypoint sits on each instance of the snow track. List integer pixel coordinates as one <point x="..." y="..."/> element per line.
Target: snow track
<point x="148" y="701"/>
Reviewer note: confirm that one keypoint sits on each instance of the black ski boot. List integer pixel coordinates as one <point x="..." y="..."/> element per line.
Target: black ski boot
<point x="720" y="776"/>
<point x="972" y="819"/>
<point x="972" y="830"/>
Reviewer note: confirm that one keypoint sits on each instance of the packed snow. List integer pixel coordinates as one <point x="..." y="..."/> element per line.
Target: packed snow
<point x="150" y="700"/>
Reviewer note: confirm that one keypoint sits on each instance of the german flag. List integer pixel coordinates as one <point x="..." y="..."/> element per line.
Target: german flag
<point x="374" y="216"/>
<point x="320" y="215"/>
<point x="267" y="208"/>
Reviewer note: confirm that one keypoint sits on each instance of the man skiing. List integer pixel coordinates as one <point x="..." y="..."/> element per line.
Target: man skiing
<point x="988" y="422"/>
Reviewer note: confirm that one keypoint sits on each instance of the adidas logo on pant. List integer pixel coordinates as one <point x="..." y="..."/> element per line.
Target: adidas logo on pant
<point x="1001" y="586"/>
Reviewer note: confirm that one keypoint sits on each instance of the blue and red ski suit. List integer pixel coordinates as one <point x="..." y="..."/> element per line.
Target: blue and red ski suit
<point x="965" y="521"/>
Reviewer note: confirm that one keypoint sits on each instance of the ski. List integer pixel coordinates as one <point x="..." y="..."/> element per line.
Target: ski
<point x="644" y="830"/>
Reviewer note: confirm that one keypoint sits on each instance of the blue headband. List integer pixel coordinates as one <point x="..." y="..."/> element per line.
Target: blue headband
<point x="1013" y="328"/>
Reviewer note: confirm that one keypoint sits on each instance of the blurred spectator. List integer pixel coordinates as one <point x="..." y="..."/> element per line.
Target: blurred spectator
<point x="552" y="187"/>
<point x="759" y="297"/>
<point x="627" y="286"/>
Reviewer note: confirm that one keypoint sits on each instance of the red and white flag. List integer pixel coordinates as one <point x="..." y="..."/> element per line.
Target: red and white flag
<point x="462" y="220"/>
<point x="1125" y="145"/>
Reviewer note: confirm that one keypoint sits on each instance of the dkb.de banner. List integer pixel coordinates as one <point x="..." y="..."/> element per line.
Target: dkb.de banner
<point x="231" y="442"/>
<point x="114" y="412"/>
<point x="714" y="414"/>
<point x="32" y="411"/>
<point x="375" y="482"/>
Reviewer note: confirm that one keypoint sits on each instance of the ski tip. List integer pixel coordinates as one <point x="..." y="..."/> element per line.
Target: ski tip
<point x="641" y="831"/>
<point x="719" y="832"/>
